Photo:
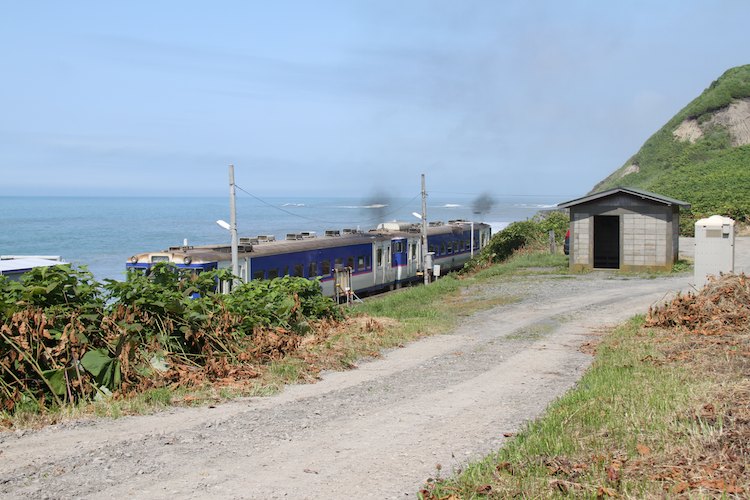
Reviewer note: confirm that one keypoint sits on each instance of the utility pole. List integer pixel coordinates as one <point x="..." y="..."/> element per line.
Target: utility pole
<point x="233" y="224"/>
<point x="425" y="271"/>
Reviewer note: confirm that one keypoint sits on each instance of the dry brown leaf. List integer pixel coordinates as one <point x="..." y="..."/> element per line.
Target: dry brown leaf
<point x="606" y="492"/>
<point x="484" y="489"/>
<point x="680" y="487"/>
<point x="505" y="466"/>
<point x="613" y="475"/>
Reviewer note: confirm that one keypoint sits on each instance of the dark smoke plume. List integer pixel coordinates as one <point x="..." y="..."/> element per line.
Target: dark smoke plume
<point x="482" y="204"/>
<point x="376" y="206"/>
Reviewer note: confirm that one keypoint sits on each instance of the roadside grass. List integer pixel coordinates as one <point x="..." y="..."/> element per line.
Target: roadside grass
<point x="527" y="262"/>
<point x="382" y="322"/>
<point x="682" y="266"/>
<point x="430" y="310"/>
<point x="436" y="308"/>
<point x="658" y="414"/>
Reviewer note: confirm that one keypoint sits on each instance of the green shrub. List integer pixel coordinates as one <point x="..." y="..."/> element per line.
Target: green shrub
<point x="65" y="337"/>
<point x="532" y="233"/>
<point x="288" y="302"/>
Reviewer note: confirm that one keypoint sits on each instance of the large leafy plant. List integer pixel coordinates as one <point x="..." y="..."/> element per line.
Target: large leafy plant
<point x="65" y="337"/>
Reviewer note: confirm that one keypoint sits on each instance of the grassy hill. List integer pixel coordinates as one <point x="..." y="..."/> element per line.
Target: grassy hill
<point x="701" y="156"/>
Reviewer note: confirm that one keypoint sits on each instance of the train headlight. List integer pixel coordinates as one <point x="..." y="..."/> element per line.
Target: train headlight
<point x="187" y="260"/>
<point x="134" y="259"/>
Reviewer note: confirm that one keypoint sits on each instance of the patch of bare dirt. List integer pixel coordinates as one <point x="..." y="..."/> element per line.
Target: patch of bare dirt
<point x="631" y="169"/>
<point x="689" y="130"/>
<point x="735" y="118"/>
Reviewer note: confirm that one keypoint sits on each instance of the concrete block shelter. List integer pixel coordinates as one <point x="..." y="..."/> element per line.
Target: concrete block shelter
<point x="624" y="228"/>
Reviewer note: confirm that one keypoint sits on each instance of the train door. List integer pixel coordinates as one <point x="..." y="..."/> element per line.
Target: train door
<point x="399" y="259"/>
<point x="382" y="269"/>
<point x="484" y="237"/>
<point x="413" y="257"/>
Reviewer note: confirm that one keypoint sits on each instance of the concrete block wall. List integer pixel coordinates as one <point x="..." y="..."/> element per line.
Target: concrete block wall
<point x="644" y="240"/>
<point x="580" y="245"/>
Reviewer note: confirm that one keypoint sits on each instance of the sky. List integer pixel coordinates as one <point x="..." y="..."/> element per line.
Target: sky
<point x="345" y="98"/>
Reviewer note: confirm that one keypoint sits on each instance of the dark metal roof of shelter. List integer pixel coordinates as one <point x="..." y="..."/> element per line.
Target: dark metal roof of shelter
<point x="639" y="193"/>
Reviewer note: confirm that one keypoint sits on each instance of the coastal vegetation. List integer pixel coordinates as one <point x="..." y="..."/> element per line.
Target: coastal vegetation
<point x="65" y="338"/>
<point x="701" y="155"/>
<point x="532" y="234"/>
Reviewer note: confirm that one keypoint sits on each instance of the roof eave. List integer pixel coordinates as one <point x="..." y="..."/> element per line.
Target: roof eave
<point x="633" y="192"/>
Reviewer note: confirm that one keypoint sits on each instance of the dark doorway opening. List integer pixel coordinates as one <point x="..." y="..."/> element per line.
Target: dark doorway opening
<point x="607" y="241"/>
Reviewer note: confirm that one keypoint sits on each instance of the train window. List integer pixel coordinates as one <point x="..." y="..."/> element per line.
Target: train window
<point x="299" y="270"/>
<point x="273" y="273"/>
<point x="433" y="248"/>
<point x="325" y="268"/>
<point x="286" y="271"/>
<point x="443" y="249"/>
<point x="258" y="275"/>
<point x="398" y="247"/>
<point x="361" y="263"/>
<point x="312" y="269"/>
<point x="338" y="263"/>
<point x="367" y="262"/>
<point x="350" y="262"/>
<point x="380" y="257"/>
<point x="414" y="251"/>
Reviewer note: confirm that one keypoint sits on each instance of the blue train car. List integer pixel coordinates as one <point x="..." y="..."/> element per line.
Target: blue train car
<point x="344" y="261"/>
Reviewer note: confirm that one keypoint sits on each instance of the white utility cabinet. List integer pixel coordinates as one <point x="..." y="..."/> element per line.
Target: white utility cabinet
<point x="714" y="248"/>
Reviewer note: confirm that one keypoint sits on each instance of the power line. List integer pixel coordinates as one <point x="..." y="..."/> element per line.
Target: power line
<point x="501" y="195"/>
<point x="280" y="209"/>
<point x="312" y="219"/>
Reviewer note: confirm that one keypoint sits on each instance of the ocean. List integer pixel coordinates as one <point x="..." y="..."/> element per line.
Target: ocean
<point x="102" y="233"/>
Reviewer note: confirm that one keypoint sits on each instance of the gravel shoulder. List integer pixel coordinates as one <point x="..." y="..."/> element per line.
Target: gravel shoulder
<point x="374" y="432"/>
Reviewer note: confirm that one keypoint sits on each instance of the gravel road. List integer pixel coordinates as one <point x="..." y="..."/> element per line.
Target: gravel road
<point x="374" y="432"/>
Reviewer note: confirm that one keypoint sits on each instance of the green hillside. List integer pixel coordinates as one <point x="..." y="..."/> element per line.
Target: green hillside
<point x="701" y="156"/>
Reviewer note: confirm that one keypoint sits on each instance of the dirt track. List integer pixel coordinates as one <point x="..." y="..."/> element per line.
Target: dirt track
<point x="374" y="432"/>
